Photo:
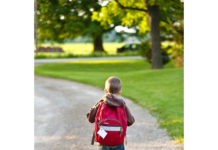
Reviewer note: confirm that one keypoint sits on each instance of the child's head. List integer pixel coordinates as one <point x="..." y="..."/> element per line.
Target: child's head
<point x="113" y="85"/>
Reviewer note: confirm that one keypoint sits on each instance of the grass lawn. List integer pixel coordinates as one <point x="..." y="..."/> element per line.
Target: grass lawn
<point x="160" y="91"/>
<point x="85" y="48"/>
<point x="72" y="50"/>
<point x="55" y="55"/>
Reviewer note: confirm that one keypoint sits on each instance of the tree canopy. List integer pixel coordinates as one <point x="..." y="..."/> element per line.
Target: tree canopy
<point x="60" y="20"/>
<point x="161" y="18"/>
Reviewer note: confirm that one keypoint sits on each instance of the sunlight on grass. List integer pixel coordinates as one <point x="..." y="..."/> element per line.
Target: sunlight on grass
<point x="85" y="48"/>
<point x="173" y="121"/>
<point x="179" y="140"/>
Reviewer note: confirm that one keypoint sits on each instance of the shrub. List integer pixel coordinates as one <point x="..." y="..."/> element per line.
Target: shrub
<point x="178" y="55"/>
<point x="145" y="51"/>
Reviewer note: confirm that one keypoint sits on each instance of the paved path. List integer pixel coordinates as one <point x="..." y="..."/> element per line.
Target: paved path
<point x="45" y="61"/>
<point x="60" y="119"/>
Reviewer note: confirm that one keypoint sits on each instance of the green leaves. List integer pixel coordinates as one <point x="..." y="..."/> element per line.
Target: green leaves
<point x="112" y="12"/>
<point x="60" y="20"/>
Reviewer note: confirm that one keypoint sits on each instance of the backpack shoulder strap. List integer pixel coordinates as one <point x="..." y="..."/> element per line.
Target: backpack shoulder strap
<point x="93" y="136"/>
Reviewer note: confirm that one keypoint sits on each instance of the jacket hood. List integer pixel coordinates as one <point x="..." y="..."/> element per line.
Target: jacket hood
<point x="113" y="101"/>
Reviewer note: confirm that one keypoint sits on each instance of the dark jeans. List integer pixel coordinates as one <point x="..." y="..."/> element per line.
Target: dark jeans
<point x="118" y="147"/>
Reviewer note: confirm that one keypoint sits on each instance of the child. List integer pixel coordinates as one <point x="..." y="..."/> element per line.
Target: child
<point x="111" y="117"/>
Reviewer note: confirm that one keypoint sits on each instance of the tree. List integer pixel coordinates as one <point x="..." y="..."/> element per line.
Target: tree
<point x="60" y="20"/>
<point x="145" y="15"/>
<point x="35" y="25"/>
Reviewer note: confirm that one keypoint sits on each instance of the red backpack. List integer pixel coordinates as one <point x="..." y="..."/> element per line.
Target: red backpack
<point x="112" y="123"/>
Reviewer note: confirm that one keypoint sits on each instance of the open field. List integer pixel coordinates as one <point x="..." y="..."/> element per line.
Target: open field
<point x="85" y="48"/>
<point x="73" y="50"/>
<point x="160" y="91"/>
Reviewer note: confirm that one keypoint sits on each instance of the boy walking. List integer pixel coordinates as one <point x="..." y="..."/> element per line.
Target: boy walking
<point x="111" y="117"/>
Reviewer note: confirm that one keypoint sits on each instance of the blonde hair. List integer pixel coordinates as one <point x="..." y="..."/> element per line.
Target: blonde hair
<point x="113" y="85"/>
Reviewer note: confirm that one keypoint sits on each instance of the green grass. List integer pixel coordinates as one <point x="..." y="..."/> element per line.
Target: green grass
<point x="85" y="48"/>
<point x="54" y="55"/>
<point x="75" y="50"/>
<point x="160" y="91"/>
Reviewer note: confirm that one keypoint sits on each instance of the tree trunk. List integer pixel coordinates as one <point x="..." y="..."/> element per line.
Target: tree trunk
<point x="98" y="43"/>
<point x="35" y="26"/>
<point x="154" y="19"/>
